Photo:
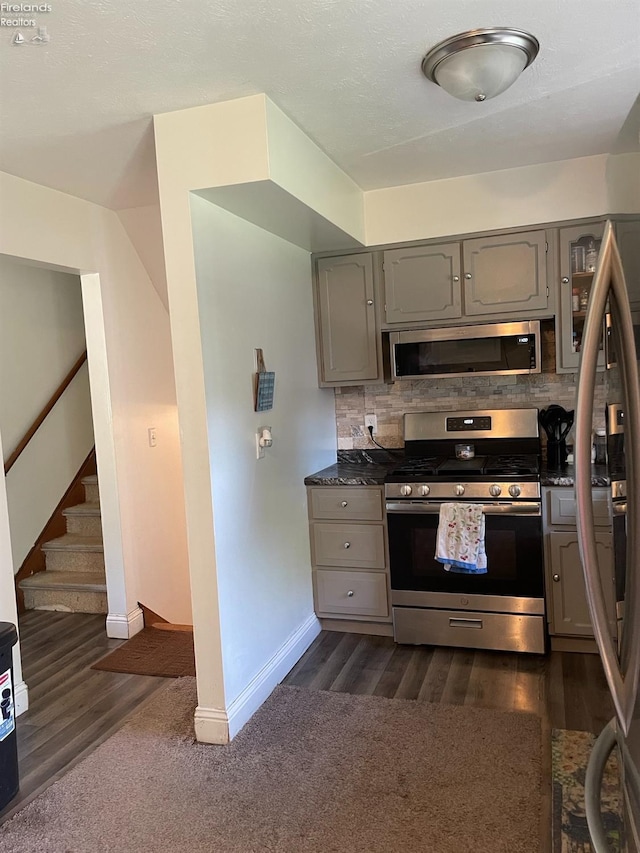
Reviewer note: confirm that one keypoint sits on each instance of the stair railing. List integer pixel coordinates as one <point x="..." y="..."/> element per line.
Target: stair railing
<point x="35" y="426"/>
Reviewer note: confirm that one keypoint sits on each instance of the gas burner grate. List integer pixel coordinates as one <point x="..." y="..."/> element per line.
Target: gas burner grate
<point x="418" y="466"/>
<point x="516" y="464"/>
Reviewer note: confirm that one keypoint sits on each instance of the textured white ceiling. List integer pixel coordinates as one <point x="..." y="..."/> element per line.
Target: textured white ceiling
<point x="75" y="114"/>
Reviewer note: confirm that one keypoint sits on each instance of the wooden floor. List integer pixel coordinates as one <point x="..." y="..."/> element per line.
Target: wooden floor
<point x="568" y="691"/>
<point x="72" y="708"/>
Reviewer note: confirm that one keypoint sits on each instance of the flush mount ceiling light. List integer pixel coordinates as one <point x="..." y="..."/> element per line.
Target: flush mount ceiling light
<point x="479" y="64"/>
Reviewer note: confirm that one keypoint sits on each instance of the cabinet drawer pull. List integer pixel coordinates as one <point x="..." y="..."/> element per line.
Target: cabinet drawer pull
<point x="344" y="503"/>
<point x="456" y="278"/>
<point x="565" y="280"/>
<point x="467" y="276"/>
<point x="369" y="301"/>
<point x="347" y="544"/>
<point x="556" y="578"/>
<point x="350" y="594"/>
<point x="465" y="623"/>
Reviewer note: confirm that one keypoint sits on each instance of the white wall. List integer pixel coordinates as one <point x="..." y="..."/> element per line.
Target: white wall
<point x="254" y="290"/>
<point x="215" y="146"/>
<point x="132" y="388"/>
<point x="41" y="337"/>
<point x="568" y="189"/>
<point x="623" y="180"/>
<point x="144" y="229"/>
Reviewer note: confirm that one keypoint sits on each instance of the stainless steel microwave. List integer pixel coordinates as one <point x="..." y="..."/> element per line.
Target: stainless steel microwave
<point x="491" y="350"/>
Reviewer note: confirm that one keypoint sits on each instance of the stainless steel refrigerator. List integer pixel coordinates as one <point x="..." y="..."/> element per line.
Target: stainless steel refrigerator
<point x="615" y="293"/>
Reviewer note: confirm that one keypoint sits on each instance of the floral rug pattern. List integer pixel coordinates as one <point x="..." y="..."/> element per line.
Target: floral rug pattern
<point x="570" y="753"/>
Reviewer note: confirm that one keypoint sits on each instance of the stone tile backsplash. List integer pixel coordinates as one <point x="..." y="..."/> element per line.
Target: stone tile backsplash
<point x="390" y="402"/>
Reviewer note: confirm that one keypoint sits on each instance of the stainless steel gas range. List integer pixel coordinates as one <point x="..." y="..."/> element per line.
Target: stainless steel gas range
<point x="504" y="608"/>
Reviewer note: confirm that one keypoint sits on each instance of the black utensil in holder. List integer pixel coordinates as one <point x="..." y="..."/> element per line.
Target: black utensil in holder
<point x="556" y="454"/>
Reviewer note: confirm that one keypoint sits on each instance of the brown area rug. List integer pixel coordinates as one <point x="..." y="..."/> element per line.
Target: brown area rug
<point x="153" y="652"/>
<point x="312" y="772"/>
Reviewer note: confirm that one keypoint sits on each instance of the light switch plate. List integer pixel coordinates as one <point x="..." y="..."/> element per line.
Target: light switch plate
<point x="259" y="450"/>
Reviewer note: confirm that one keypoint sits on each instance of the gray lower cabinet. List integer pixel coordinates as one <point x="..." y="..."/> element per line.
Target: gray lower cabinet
<point x="348" y="553"/>
<point x="567" y="608"/>
<point x="347" y="329"/>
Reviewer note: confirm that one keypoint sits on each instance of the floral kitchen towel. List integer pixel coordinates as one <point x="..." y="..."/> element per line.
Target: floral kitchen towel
<point x="460" y="544"/>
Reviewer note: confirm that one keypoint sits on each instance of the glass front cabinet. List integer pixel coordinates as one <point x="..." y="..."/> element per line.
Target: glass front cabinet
<point x="579" y="247"/>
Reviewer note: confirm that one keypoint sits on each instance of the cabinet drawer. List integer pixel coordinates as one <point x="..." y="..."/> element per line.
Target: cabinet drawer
<point x="350" y="545"/>
<point x="351" y="593"/>
<point x="562" y="508"/>
<point x="348" y="502"/>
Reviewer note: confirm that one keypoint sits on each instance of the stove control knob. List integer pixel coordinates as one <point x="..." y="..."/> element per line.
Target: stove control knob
<point x="495" y="490"/>
<point x="459" y="490"/>
<point x="515" y="491"/>
<point x="405" y="491"/>
<point x="424" y="490"/>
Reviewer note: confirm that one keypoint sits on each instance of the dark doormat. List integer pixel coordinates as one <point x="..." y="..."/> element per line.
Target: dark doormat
<point x="153" y="652"/>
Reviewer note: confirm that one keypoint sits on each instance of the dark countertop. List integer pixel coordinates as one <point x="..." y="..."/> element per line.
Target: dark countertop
<point x="356" y="468"/>
<point x="565" y="477"/>
<point x="370" y="467"/>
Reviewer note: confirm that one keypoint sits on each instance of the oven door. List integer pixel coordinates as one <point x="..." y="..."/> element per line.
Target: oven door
<point x="513" y="542"/>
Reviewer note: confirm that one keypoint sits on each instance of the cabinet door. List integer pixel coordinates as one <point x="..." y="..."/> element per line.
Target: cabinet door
<point x="628" y="238"/>
<point x="347" y="319"/>
<point x="506" y="275"/>
<point x="569" y="608"/>
<point x="422" y="283"/>
<point x="579" y="247"/>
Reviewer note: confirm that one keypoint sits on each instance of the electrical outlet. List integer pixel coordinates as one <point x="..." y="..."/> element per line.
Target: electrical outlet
<point x="371" y="421"/>
<point x="153" y="437"/>
<point x="259" y="447"/>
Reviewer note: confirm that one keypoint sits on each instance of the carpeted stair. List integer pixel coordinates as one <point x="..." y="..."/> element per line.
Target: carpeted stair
<point x="75" y="579"/>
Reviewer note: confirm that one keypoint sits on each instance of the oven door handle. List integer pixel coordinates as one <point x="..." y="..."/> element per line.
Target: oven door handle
<point x="531" y="508"/>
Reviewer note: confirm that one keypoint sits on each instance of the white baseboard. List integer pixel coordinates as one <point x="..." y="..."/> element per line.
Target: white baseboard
<point x="121" y="627"/>
<point x="21" y="698"/>
<point x="213" y="725"/>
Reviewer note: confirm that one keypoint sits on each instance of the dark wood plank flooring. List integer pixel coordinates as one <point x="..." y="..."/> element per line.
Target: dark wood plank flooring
<point x="567" y="690"/>
<point x="72" y="708"/>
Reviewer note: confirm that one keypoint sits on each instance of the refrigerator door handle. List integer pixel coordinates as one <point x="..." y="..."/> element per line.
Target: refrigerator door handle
<point x="609" y="282"/>
<point x="600" y="753"/>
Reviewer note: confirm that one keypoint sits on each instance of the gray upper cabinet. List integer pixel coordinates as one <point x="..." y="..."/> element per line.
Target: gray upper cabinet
<point x="500" y="276"/>
<point x="422" y="283"/>
<point x="578" y="246"/>
<point x="346" y="319"/>
<point x="506" y="275"/>
<point x="628" y="238"/>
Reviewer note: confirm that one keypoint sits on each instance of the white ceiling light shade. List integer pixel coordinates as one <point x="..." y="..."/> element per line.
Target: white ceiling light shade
<point x="479" y="64"/>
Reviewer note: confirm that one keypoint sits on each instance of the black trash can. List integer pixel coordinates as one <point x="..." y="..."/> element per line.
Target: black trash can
<point x="8" y="744"/>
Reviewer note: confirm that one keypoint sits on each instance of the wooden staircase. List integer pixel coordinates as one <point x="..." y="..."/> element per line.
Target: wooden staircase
<point x="74" y="580"/>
